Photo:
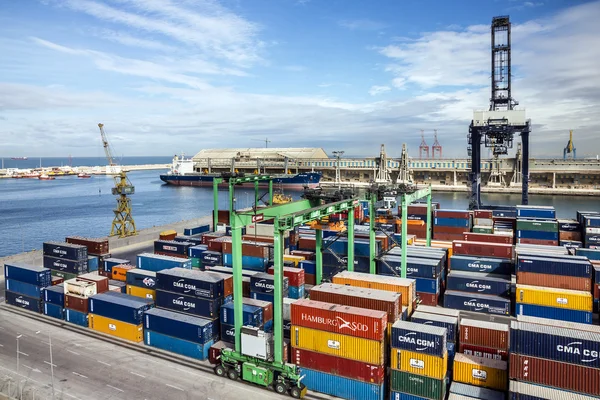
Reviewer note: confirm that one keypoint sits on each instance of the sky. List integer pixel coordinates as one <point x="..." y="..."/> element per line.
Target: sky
<point x="173" y="76"/>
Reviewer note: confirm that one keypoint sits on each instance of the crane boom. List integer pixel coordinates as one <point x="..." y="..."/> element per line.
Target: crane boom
<point x="107" y="149"/>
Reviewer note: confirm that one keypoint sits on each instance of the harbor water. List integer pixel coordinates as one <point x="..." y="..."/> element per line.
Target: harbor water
<point x="34" y="211"/>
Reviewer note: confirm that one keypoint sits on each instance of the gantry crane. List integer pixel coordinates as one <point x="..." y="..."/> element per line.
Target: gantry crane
<point x="123" y="224"/>
<point x="570" y="148"/>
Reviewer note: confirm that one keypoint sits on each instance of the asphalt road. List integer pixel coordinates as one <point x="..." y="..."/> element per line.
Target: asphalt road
<point x="88" y="368"/>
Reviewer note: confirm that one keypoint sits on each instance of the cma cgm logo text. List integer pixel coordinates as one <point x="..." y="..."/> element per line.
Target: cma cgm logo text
<point x="479" y="286"/>
<point x="264" y="284"/>
<point x="474" y="303"/>
<point x="338" y="322"/>
<point x="421" y="344"/>
<point x="480" y="266"/>
<point x="181" y="284"/>
<point x="575" y="348"/>
<point x="186" y="304"/>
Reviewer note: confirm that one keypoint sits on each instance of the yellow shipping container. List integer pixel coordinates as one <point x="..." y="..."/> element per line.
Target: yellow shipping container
<point x="141" y="292"/>
<point x="553" y="297"/>
<point x="350" y="347"/>
<point x="294" y="259"/>
<point x="480" y="371"/>
<point x="420" y="364"/>
<point x="114" y="327"/>
<point x="406" y="287"/>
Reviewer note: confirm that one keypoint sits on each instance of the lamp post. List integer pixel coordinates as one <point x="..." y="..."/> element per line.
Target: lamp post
<point x="338" y="155"/>
<point x="51" y="361"/>
<point x="18" y="337"/>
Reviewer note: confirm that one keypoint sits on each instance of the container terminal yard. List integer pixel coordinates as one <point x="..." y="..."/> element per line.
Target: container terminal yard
<point x="378" y="293"/>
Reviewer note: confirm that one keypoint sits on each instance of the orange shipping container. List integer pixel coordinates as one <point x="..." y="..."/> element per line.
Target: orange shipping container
<point x="119" y="272"/>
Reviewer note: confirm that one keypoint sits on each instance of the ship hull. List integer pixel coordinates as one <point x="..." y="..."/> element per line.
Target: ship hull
<point x="297" y="182"/>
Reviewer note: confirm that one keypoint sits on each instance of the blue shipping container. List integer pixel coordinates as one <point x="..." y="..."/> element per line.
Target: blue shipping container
<point x="338" y="386"/>
<point x="265" y="283"/>
<point x="252" y="315"/>
<point x="477" y="302"/>
<point x="93" y="263"/>
<point x="309" y="267"/>
<point x="443" y="321"/>
<point x="500" y="266"/>
<point x="569" y="226"/>
<point x="227" y="333"/>
<point x="155" y="262"/>
<point x="540" y="235"/>
<point x="208" y="308"/>
<point x="122" y="307"/>
<point x="296" y="292"/>
<point x="65" y="250"/>
<point x="141" y="278"/>
<point x="452" y="222"/>
<point x="418" y="337"/>
<point x="562" y="314"/>
<point x="197" y="251"/>
<point x="554" y="266"/>
<point x="592" y="221"/>
<point x="23" y="288"/>
<point x="592" y="254"/>
<point x="54" y="295"/>
<point x="111" y="262"/>
<point x="191" y="283"/>
<point x="431" y="286"/>
<point x="416" y="267"/>
<point x="54" y="310"/>
<point x="196" y="230"/>
<point x="182" y="326"/>
<point x="248" y="262"/>
<point x="504" y="213"/>
<point x="28" y="303"/>
<point x="195" y="240"/>
<point x="28" y="273"/>
<point x="76" y="317"/>
<point x="536" y="212"/>
<point x="175" y="345"/>
<point x="65" y="265"/>
<point x="478" y="283"/>
<point x="405" y="396"/>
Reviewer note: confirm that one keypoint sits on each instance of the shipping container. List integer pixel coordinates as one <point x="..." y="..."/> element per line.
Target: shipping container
<point x="419" y="363"/>
<point x="428" y="299"/>
<point x="248" y="262"/>
<point x="208" y="308"/>
<point x="26" y="302"/>
<point x="497" y="266"/>
<point x="100" y="282"/>
<point x="406" y="287"/>
<point x="528" y="391"/>
<point x="141" y="278"/>
<point x="227" y="333"/>
<point x="154" y="262"/>
<point x="65" y="250"/>
<point x="464" y="224"/>
<point x="475" y="392"/>
<point x="251" y="315"/>
<point x="81" y="288"/>
<point x="227" y="281"/>
<point x="76" y="317"/>
<point x="144" y="293"/>
<point x="442" y="321"/>
<point x="265" y="283"/>
<point x="119" y="272"/>
<point x="482" y="333"/>
<point x="172" y="247"/>
<point x="96" y="247"/>
<point x="338" y="386"/>
<point x="77" y="303"/>
<point x="294" y="275"/>
<point x="460" y="214"/>
<point x="197" y="251"/>
<point x="566" y="265"/>
<point x="552" y="297"/>
<point x="115" y="327"/>
<point x="37" y="276"/>
<point x="555" y="313"/>
<point x="438" y="311"/>
<point x="23" y="288"/>
<point x="415" y="267"/>
<point x="592" y="254"/>
<point x="482" y="351"/>
<point x="489" y="238"/>
<point x="54" y="295"/>
<point x="111" y="262"/>
<point x="561" y="375"/>
<point x="381" y="300"/>
<point x="477" y="302"/>
<point x="480" y="371"/>
<point x="563" y="324"/>
<point x="353" y="348"/>
<point x="176" y="345"/>
<point x="338" y="366"/>
<point x="528" y="211"/>
<point x="352" y="321"/>
<point x="120" y="306"/>
<point x="214" y="353"/>
<point x="66" y="265"/>
<point x="186" y="327"/>
<point x="209" y="257"/>
<point x="482" y="249"/>
<point x="554" y="281"/>
<point x="537" y="235"/>
<point x="417" y="385"/>
<point x="54" y="310"/>
<point x="295" y="292"/>
<point x="122" y="286"/>
<point x="191" y="283"/>
<point x="472" y="282"/>
<point x="196" y="230"/>
<point x="419" y="338"/>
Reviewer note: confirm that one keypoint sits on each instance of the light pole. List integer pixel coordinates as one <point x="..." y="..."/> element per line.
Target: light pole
<point x="338" y="155"/>
<point x="51" y="361"/>
<point x="18" y="337"/>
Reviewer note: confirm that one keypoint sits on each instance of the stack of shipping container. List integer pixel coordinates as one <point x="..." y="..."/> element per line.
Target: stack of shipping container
<point x="105" y="267"/>
<point x="262" y="287"/>
<point x="66" y="260"/>
<point x="443" y="318"/>
<point x="417" y="215"/>
<point x="141" y="283"/>
<point x="172" y="248"/>
<point x="451" y="224"/>
<point x="296" y="281"/>
<point x="537" y="225"/>
<point x="156" y="262"/>
<point x="118" y="314"/>
<point x="591" y="231"/>
<point x="25" y="284"/>
<point x="340" y="349"/>
<point x="53" y="301"/>
<point x="98" y="250"/>
<point x="569" y="233"/>
<point x="483" y="221"/>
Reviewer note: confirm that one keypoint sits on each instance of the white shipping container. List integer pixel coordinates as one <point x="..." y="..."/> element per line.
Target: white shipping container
<point x="287" y="308"/>
<point x="256" y="343"/>
<point x="483" y="222"/>
<point x="263" y="230"/>
<point x="81" y="288"/>
<point x="594" y="231"/>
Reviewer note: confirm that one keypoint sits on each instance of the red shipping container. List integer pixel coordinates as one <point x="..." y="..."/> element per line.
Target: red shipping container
<point x="246" y="286"/>
<point x="576" y="378"/>
<point x="339" y="366"/>
<point x="372" y="299"/>
<point x="487" y="214"/>
<point x="308" y="255"/>
<point x="295" y="275"/>
<point x="488" y="238"/>
<point x="77" y="303"/>
<point x="346" y="320"/>
<point x="208" y="236"/>
<point x="223" y="217"/>
<point x="307" y="243"/>
<point x="563" y="235"/>
<point x="538" y="241"/>
<point x="259" y="239"/>
<point x="266" y="306"/>
<point x="95" y="246"/>
<point x="249" y="248"/>
<point x="57" y="280"/>
<point x="450" y="229"/>
<point x="485" y="352"/>
<point x="597" y="291"/>
<point x="459" y="214"/>
<point x="427" y="299"/>
<point x="554" y="281"/>
<point x="450" y="237"/>
<point x="227" y="281"/>
<point x="214" y="353"/>
<point x="499" y="250"/>
<point x="482" y="333"/>
<point x="100" y="281"/>
<point x="310" y="279"/>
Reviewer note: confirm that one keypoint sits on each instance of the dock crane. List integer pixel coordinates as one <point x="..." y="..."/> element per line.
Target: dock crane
<point x="570" y="147"/>
<point x="123" y="224"/>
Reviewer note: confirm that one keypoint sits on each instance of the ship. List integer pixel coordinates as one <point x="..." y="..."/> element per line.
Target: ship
<point x="18" y="158"/>
<point x="182" y="174"/>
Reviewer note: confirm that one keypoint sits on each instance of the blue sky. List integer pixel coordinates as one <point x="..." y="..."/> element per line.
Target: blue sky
<point x="170" y="76"/>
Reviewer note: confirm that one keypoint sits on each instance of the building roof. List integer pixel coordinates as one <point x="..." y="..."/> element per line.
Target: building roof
<point x="254" y="153"/>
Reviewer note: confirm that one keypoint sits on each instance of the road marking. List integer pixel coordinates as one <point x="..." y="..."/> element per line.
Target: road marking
<point x="33" y="369"/>
<point x="174" y="387"/>
<point x="73" y="352"/>
<point x="78" y="374"/>
<point x="25" y="354"/>
<point x="36" y="381"/>
<point x="1" y="345"/>
<point x="105" y="363"/>
<point x="114" y="387"/>
<point x="49" y="363"/>
<point x="2" y="328"/>
<point x="46" y="343"/>
<point x="135" y="373"/>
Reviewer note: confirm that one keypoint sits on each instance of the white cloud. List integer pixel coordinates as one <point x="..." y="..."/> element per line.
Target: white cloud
<point x="376" y="90"/>
<point x="362" y="24"/>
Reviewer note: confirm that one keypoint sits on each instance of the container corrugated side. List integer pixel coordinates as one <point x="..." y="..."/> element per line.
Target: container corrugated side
<point x="54" y="310"/>
<point x="116" y="328"/>
<point x="76" y="317"/>
<point x="563" y="324"/>
<point x="341" y="387"/>
<point x="186" y="327"/>
<point x="26" y="289"/>
<point x="176" y="345"/>
<point x="19" y="300"/>
<point x="353" y="348"/>
<point x="555" y="281"/>
<point x="418" y="385"/>
<point x="487" y="334"/>
<point x="190" y="282"/>
<point x="479" y="371"/>
<point x="442" y="321"/>
<point x="553" y="297"/>
<point x="557" y="265"/>
<point x="474" y="282"/>
<point x="144" y="293"/>
<point x="476" y="392"/>
<point x="572" y="377"/>
<point x="419" y="363"/>
<point x="420" y="338"/>
<point x="477" y="302"/>
<point x="406" y="287"/>
<point x="38" y="276"/>
<point x="528" y="391"/>
<point x="500" y="266"/>
<point x="438" y="311"/>
<point x="555" y="313"/>
<point x="187" y="304"/>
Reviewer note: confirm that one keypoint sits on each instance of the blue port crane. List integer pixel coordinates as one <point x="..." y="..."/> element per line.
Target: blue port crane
<point x="570" y="147"/>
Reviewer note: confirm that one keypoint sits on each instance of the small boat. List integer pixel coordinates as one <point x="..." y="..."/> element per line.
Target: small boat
<point x="32" y="175"/>
<point x="45" y="177"/>
<point x="83" y="175"/>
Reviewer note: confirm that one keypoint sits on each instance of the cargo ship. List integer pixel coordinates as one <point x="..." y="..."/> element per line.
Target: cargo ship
<point x="182" y="174"/>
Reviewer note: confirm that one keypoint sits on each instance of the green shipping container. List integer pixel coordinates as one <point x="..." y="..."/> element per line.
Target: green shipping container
<point x="64" y="275"/>
<point x="483" y="229"/>
<point x="540" y="226"/>
<point x="196" y="263"/>
<point x="418" y="385"/>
